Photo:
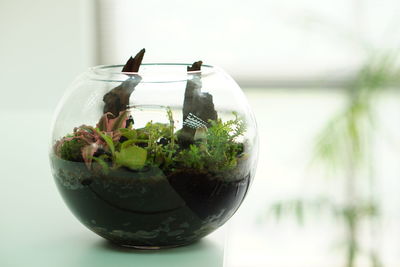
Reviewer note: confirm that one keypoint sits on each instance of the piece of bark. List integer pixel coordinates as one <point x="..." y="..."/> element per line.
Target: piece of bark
<point x="198" y="107"/>
<point x="195" y="66"/>
<point x="117" y="99"/>
<point x="133" y="64"/>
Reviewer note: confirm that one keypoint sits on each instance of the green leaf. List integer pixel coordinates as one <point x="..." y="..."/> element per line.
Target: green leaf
<point x="102" y="163"/>
<point x="132" y="157"/>
<point x="108" y="140"/>
<point x="119" y="120"/>
<point x="127" y="143"/>
<point x="130" y="134"/>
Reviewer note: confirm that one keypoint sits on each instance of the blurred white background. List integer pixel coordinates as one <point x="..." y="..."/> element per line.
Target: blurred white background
<point x="258" y="42"/>
<point x="304" y="43"/>
<point x="43" y="45"/>
<point x="290" y="57"/>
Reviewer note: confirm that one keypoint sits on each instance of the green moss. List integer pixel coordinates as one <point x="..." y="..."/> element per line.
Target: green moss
<point x="72" y="150"/>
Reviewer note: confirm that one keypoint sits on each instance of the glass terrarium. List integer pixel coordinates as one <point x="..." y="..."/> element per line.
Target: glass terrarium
<point x="156" y="158"/>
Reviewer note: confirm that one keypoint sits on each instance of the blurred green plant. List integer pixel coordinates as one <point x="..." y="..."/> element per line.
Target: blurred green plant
<point x="344" y="148"/>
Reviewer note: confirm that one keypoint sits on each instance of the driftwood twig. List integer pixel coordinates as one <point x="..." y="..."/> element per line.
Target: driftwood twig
<point x="117" y="99"/>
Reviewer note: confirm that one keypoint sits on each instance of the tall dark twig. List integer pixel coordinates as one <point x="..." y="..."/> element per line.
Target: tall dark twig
<point x="117" y="99"/>
<point x="198" y="107"/>
<point x="133" y="64"/>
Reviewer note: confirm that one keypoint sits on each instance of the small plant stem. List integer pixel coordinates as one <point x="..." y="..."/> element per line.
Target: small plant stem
<point x="374" y="219"/>
<point x="171" y="127"/>
<point x="350" y="215"/>
<point x="351" y="223"/>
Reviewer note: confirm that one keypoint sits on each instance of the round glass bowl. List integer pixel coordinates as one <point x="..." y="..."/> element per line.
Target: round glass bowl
<point x="154" y="159"/>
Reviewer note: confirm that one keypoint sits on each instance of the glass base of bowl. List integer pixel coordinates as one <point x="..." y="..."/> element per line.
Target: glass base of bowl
<point x="149" y="248"/>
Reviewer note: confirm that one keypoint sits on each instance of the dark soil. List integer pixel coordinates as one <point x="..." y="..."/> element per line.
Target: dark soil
<point x="150" y="208"/>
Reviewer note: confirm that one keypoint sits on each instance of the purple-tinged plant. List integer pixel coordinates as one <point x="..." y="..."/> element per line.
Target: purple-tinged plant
<point x="102" y="137"/>
<point x="109" y="123"/>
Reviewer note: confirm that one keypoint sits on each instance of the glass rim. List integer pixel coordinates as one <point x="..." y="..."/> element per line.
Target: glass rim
<point x="113" y="73"/>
